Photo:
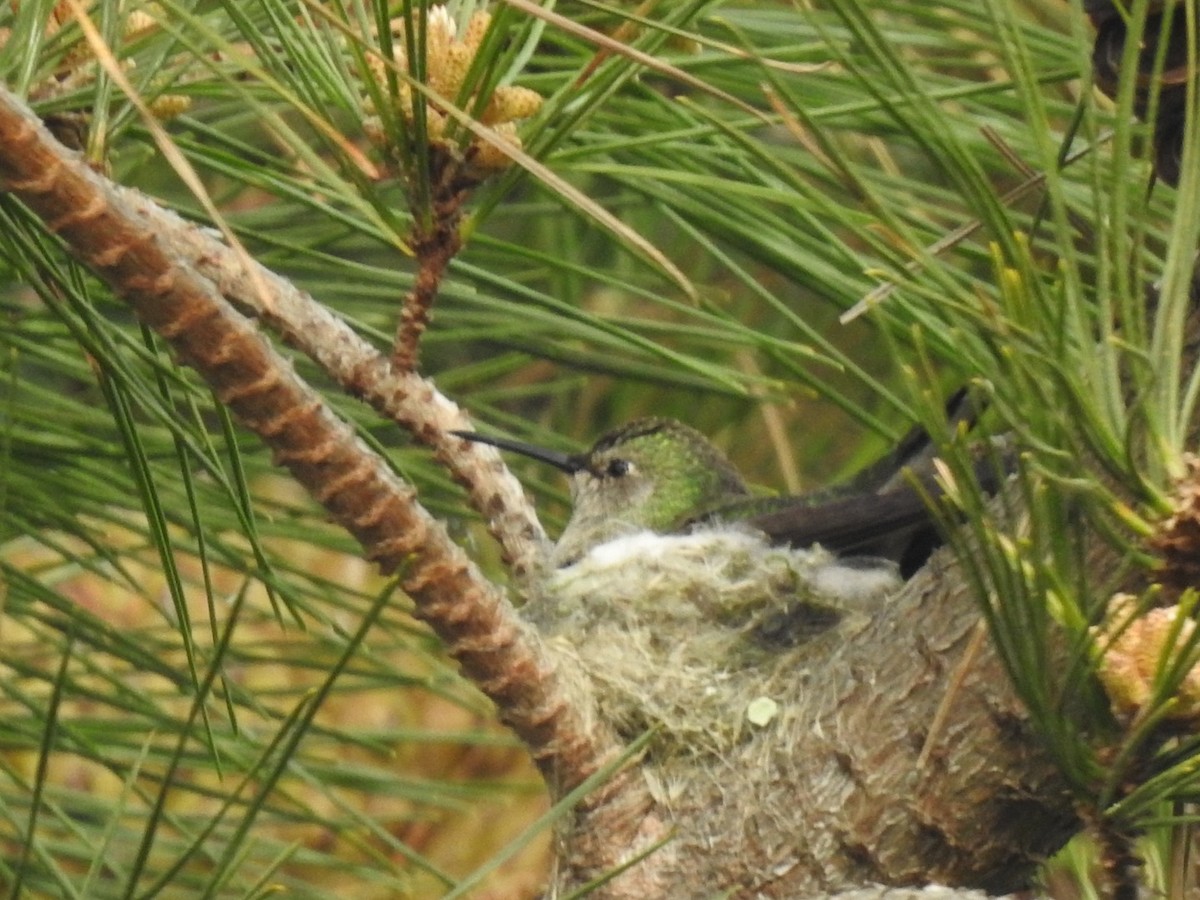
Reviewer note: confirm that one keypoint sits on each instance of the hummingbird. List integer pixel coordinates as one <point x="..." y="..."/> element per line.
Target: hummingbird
<point x="695" y="607"/>
<point x="661" y="476"/>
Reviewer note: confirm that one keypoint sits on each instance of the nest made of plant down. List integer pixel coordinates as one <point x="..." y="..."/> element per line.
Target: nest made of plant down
<point x="710" y="638"/>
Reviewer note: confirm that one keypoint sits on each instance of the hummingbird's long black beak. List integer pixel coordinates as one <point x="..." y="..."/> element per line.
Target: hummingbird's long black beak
<point x="566" y="462"/>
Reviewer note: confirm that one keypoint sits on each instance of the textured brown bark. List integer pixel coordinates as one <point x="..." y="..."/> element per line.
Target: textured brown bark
<point x="434" y="246"/>
<point x="498" y="652"/>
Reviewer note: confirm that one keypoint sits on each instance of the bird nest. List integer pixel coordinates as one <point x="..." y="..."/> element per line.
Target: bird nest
<point x="705" y="638"/>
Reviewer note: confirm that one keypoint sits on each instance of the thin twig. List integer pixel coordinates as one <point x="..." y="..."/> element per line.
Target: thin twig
<point x="435" y="244"/>
<point x="942" y="715"/>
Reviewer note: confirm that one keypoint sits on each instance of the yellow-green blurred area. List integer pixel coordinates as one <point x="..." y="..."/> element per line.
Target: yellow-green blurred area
<point x="401" y="784"/>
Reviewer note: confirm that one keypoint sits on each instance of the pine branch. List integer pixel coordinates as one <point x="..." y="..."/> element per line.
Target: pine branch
<point x="479" y="627"/>
<point x="411" y="401"/>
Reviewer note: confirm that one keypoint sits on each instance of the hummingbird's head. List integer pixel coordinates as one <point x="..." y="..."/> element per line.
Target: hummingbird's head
<point x="649" y="475"/>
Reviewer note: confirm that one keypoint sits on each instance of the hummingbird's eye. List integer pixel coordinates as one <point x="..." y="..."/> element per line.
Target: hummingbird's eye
<point x="618" y="468"/>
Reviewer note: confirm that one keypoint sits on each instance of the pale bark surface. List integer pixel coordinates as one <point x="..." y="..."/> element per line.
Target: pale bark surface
<point x="902" y="758"/>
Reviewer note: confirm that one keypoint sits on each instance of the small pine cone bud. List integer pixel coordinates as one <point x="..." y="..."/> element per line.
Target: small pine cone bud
<point x="378" y="68"/>
<point x="168" y="106"/>
<point x="1129" y="662"/>
<point x="404" y="100"/>
<point x="486" y="159"/>
<point x="448" y="75"/>
<point x="476" y="29"/>
<point x="448" y="59"/>
<point x="509" y="103"/>
<point x="439" y="35"/>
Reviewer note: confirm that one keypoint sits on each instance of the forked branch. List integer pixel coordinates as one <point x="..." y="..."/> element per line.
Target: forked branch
<point x="479" y="626"/>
